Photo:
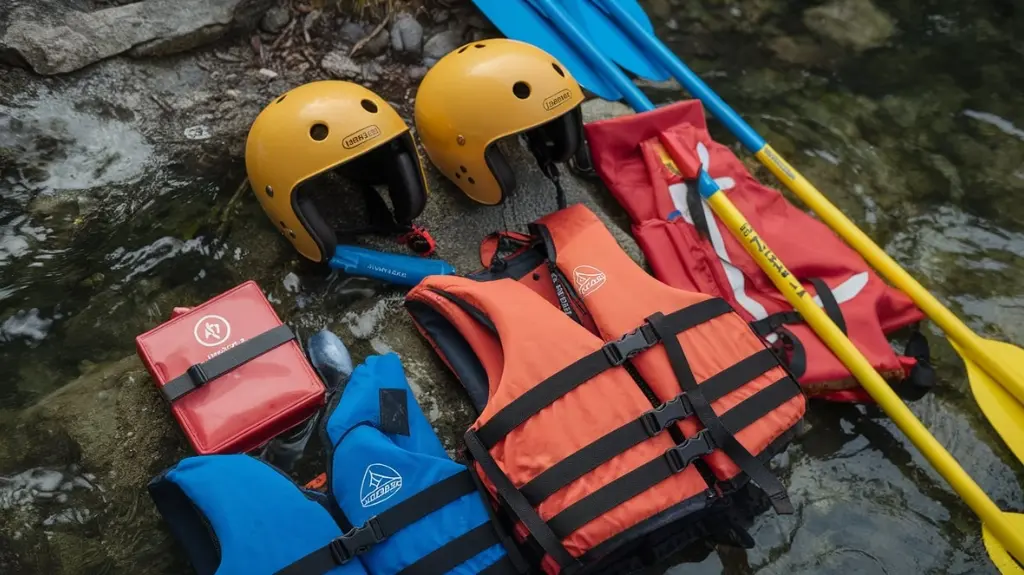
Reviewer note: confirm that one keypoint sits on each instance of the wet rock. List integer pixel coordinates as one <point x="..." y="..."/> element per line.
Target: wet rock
<point x="440" y="44"/>
<point x="340" y="66"/>
<point x="52" y="38"/>
<point x="856" y="24"/>
<point x="798" y="50"/>
<point x="352" y="32"/>
<point x="417" y="72"/>
<point x="276" y="19"/>
<point x="407" y="34"/>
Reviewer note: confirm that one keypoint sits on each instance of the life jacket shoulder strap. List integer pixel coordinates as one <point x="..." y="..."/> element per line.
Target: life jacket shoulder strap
<point x="379" y="527"/>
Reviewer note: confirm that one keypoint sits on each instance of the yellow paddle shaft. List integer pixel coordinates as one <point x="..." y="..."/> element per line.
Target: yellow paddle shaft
<point x="945" y="319"/>
<point x="859" y="366"/>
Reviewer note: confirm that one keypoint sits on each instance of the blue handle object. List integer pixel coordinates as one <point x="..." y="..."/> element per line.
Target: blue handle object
<point x="618" y="79"/>
<point x="394" y="268"/>
<point x="750" y="139"/>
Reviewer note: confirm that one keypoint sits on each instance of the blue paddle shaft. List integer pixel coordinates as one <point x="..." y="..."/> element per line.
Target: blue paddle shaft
<point x="611" y="72"/>
<point x="393" y="268"/>
<point x="684" y="75"/>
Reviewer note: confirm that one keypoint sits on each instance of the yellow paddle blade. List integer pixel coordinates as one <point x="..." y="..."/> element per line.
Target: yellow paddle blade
<point x="999" y="555"/>
<point x="1002" y="409"/>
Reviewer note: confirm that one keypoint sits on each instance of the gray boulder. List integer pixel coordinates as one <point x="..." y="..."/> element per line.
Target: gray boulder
<point x="54" y="38"/>
<point x="856" y="24"/>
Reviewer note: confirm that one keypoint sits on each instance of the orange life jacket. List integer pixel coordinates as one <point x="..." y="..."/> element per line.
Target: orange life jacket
<point x="584" y="454"/>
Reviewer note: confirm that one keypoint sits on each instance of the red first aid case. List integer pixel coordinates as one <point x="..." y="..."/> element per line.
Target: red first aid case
<point x="234" y="375"/>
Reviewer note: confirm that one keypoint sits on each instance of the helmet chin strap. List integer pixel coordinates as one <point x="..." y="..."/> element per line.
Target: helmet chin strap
<point x="539" y="147"/>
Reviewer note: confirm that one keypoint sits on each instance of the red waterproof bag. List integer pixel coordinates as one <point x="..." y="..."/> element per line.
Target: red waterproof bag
<point x="234" y="375"/>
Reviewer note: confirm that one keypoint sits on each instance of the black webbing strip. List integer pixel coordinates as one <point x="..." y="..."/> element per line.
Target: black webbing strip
<point x="202" y="373"/>
<point x="544" y="394"/>
<point x="572" y="376"/>
<point x="384" y="525"/>
<point x="760" y="404"/>
<point x="456" y="552"/>
<point x="631" y="484"/>
<point x="316" y="563"/>
<point x="829" y="303"/>
<point x="721" y="436"/>
<point x="637" y="431"/>
<point x="736" y="376"/>
<point x="694" y="315"/>
<point x="426" y="502"/>
<point x="520" y="507"/>
<point x="584" y="461"/>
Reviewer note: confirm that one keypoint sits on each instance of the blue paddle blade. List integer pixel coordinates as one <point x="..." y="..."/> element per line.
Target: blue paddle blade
<point x="520" y="20"/>
<point x="614" y="43"/>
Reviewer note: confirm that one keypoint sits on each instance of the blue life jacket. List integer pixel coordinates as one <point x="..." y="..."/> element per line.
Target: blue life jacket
<point x="396" y="502"/>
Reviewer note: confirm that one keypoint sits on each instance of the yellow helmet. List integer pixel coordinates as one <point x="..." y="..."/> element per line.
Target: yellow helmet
<point x="315" y="128"/>
<point x="485" y="91"/>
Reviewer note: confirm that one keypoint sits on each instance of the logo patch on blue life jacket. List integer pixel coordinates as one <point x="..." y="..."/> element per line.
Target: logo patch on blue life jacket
<point x="380" y="482"/>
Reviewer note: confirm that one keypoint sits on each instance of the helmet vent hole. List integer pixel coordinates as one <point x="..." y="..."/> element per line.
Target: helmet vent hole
<point x="458" y="175"/>
<point x="369" y="106"/>
<point x="558" y="69"/>
<point x="270" y="191"/>
<point x="471" y="180"/>
<point x="479" y="45"/>
<point x="281" y="99"/>
<point x="463" y="49"/>
<point x="292" y="234"/>
<point x="521" y="90"/>
<point x="283" y="227"/>
<point x="463" y="168"/>
<point x="318" y="132"/>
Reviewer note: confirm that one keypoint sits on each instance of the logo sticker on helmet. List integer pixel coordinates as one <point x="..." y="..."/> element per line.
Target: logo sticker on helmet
<point x="211" y="330"/>
<point x="360" y="137"/>
<point x="380" y="483"/>
<point x="587" y="279"/>
<point x="557" y="99"/>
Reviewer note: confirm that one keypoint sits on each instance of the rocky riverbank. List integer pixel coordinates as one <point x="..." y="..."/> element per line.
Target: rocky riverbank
<point x="123" y="195"/>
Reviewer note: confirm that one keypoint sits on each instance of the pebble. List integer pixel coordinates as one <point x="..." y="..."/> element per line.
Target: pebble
<point x="417" y="72"/>
<point x="352" y="32"/>
<point x="233" y="93"/>
<point x="339" y="65"/>
<point x="372" y="71"/>
<point x="440" y="44"/>
<point x="406" y="34"/>
<point x="268" y="73"/>
<point x="275" y="19"/>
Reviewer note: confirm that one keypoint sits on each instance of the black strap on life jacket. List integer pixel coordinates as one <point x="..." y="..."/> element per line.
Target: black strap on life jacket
<point x="200" y="374"/>
<point x="797" y="362"/>
<point x="718" y="433"/>
<point x="379" y="527"/>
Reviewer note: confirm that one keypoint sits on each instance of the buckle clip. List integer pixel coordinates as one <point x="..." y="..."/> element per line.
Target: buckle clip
<point x="198" y="375"/>
<point x="682" y="455"/>
<point x="656" y="420"/>
<point x="356" y="542"/>
<point x="629" y="345"/>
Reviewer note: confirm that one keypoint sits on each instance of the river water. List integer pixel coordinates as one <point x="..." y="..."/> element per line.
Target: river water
<point x="920" y="140"/>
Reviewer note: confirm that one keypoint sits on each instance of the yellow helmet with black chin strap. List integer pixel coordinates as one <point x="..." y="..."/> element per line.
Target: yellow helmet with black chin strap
<point x="324" y="126"/>
<point x="485" y="91"/>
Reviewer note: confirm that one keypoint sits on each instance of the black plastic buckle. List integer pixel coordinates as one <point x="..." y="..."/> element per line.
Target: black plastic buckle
<point x="198" y="375"/>
<point x="682" y="455"/>
<point x="630" y="345"/>
<point x="356" y="542"/>
<point x="656" y="420"/>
